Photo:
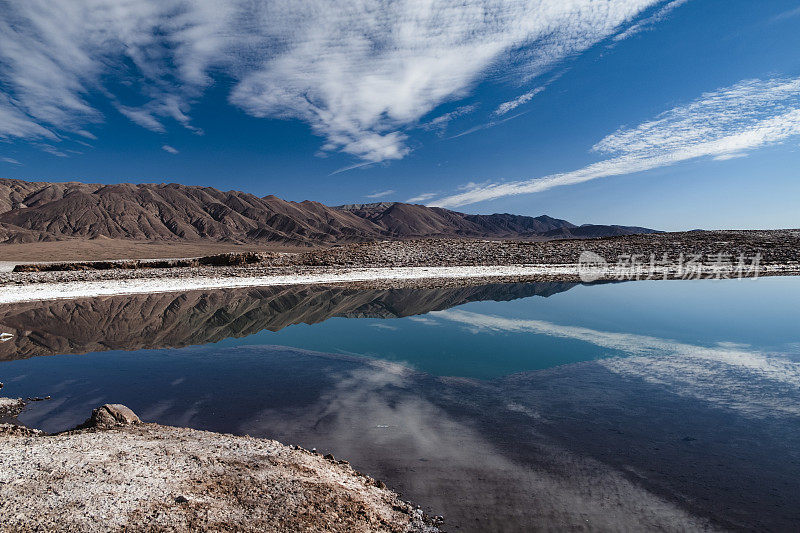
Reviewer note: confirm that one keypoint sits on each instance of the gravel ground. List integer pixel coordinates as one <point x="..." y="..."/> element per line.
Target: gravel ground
<point x="774" y="247"/>
<point x="151" y="477"/>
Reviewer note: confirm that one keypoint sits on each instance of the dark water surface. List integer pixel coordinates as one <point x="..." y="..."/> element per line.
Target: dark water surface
<point x="508" y="407"/>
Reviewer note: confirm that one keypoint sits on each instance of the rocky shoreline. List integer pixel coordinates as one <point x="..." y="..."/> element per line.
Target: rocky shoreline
<point x="116" y="473"/>
<point x="9" y="409"/>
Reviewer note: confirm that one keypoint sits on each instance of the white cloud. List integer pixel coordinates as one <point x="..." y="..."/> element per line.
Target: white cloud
<point x="721" y="124"/>
<point x="168" y="105"/>
<point x="421" y="197"/>
<point x="505" y="107"/>
<point x="359" y="74"/>
<point x="55" y="54"/>
<point x="142" y="117"/>
<point x="10" y="160"/>
<point x="725" y="157"/>
<point x="169" y="149"/>
<point x="380" y="194"/>
<point x="649" y="22"/>
<point x="15" y="123"/>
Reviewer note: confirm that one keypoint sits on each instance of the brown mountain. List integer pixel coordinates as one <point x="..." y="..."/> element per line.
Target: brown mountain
<point x="419" y="220"/>
<point x="40" y="211"/>
<point x="593" y="231"/>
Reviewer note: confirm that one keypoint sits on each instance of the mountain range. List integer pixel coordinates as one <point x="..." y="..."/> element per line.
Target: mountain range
<point x="43" y="211"/>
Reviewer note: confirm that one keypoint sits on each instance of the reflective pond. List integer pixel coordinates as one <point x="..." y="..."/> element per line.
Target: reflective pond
<point x="666" y="404"/>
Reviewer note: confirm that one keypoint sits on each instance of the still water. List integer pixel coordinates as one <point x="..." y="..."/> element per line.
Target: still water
<point x="645" y="405"/>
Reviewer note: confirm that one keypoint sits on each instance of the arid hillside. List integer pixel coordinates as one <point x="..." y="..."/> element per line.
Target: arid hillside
<point x="43" y="212"/>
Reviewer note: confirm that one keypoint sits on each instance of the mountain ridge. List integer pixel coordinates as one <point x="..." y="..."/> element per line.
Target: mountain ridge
<point x="44" y="211"/>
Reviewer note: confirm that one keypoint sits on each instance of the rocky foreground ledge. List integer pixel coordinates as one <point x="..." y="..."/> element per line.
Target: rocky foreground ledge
<point x="116" y="473"/>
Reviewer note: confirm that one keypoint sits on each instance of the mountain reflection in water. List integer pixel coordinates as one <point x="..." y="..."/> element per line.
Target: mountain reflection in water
<point x="667" y="433"/>
<point x="169" y="320"/>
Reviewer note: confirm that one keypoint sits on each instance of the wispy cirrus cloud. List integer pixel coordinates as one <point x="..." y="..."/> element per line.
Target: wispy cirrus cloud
<point x="10" y="160"/>
<point x="360" y="75"/>
<point x="380" y="325"/>
<point x="421" y="197"/>
<point x="440" y="123"/>
<point x="52" y="150"/>
<point x="486" y="125"/>
<point x="87" y="134"/>
<point x="169" y="149"/>
<point x="380" y="194"/>
<point x="15" y="123"/>
<point x="511" y="105"/>
<point x="142" y="117"/>
<point x="790" y="13"/>
<point x="649" y="22"/>
<point x="722" y="124"/>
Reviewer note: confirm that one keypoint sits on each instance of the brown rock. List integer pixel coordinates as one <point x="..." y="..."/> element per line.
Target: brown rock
<point x="110" y="415"/>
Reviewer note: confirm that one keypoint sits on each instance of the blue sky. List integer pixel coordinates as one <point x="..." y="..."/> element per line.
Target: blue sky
<point x="673" y="114"/>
